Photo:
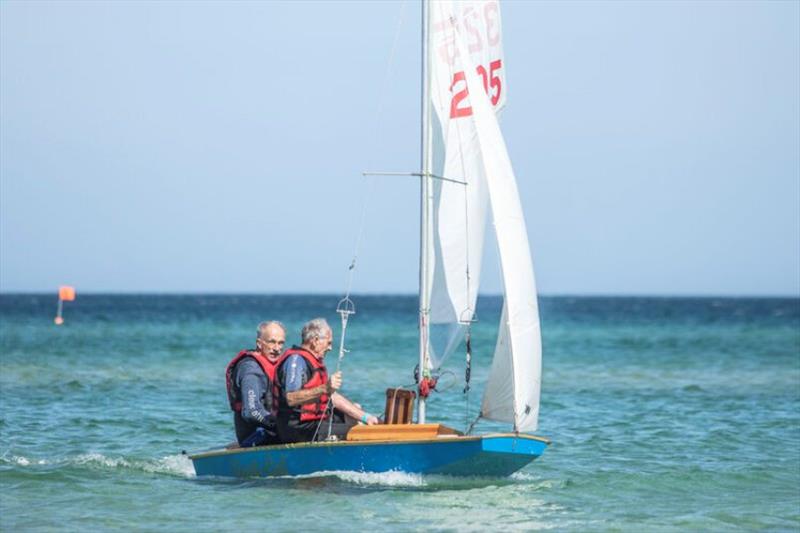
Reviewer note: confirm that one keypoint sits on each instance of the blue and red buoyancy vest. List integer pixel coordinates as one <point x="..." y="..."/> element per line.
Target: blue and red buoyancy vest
<point x="266" y="365"/>
<point x="311" y="411"/>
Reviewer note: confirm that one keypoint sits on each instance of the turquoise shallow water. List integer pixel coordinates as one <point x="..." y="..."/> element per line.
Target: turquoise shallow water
<point x="665" y="414"/>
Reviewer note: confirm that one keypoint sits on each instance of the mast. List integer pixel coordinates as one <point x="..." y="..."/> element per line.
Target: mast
<point x="426" y="211"/>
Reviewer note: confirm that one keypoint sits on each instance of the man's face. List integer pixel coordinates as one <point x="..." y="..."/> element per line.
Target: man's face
<point x="272" y="341"/>
<point x="322" y="345"/>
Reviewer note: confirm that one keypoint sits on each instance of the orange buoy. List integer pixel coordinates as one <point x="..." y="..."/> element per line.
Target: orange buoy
<point x="65" y="294"/>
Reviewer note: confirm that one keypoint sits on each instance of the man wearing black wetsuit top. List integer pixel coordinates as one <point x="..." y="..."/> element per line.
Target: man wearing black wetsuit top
<point x="251" y="388"/>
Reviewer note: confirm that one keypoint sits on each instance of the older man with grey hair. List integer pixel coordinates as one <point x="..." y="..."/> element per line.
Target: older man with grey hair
<point x="306" y="390"/>
<point x="250" y="380"/>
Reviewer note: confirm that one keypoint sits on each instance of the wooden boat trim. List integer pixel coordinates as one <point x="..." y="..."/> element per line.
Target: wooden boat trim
<point x="325" y="444"/>
<point x="399" y="432"/>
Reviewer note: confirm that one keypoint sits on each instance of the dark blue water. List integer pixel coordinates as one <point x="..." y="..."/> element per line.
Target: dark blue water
<point x="665" y="414"/>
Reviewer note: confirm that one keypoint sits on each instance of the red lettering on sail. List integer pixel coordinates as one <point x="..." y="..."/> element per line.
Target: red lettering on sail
<point x="491" y="13"/>
<point x="491" y="79"/>
<point x="456" y="110"/>
<point x="494" y="66"/>
<point x="485" y="77"/>
<point x="475" y="42"/>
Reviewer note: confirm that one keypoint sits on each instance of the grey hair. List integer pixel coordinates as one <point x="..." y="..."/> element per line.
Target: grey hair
<point x="314" y="329"/>
<point x="262" y="328"/>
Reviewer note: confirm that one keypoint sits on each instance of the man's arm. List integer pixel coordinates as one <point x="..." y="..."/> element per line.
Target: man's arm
<point x="352" y="410"/>
<point x="296" y="374"/>
<point x="305" y="395"/>
<point x="299" y="397"/>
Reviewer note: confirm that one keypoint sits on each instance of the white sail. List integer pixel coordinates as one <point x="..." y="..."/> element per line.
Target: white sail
<point x="459" y="214"/>
<point x="512" y="392"/>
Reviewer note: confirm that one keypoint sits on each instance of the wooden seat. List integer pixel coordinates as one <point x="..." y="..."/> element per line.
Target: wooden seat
<point x="399" y="406"/>
<point x="401" y="432"/>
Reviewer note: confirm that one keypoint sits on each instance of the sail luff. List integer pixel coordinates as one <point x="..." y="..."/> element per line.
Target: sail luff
<point x="460" y="210"/>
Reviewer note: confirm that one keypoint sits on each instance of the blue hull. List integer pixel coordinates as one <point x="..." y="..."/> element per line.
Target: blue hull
<point x="490" y="455"/>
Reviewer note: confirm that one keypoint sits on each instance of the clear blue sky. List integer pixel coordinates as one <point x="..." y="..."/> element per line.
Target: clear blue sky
<point x="201" y="146"/>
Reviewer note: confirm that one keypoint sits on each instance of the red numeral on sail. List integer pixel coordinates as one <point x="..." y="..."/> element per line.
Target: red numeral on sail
<point x="494" y="66"/>
<point x="458" y="107"/>
<point x="455" y="110"/>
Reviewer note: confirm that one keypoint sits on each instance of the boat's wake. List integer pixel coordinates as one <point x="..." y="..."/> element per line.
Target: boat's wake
<point x="371" y="479"/>
<point x="395" y="480"/>
<point x="173" y="465"/>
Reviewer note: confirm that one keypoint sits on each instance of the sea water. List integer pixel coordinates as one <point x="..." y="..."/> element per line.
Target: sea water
<point x="665" y="414"/>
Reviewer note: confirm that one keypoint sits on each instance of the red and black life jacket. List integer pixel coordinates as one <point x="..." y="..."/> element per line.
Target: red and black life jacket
<point x="266" y="365"/>
<point x="311" y="411"/>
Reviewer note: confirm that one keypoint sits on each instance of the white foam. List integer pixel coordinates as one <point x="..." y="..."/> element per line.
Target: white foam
<point x="393" y="478"/>
<point x="20" y="460"/>
<point x="536" y="481"/>
<point x="101" y="460"/>
<point x="386" y="479"/>
<point x="179" y="465"/>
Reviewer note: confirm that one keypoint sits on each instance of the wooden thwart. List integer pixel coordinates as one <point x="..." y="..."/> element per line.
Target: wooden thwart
<point x="400" y="432"/>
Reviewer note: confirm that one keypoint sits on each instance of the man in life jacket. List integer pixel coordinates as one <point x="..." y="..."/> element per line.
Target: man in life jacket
<point x="306" y="390"/>
<point x="250" y="380"/>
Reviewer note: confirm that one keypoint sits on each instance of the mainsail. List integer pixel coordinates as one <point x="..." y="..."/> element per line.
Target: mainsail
<point x="459" y="214"/>
<point x="467" y="90"/>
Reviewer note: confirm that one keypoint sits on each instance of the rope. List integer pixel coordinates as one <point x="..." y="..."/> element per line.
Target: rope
<point x="376" y="134"/>
<point x="467" y="374"/>
<point x="329" y="414"/>
<point x="388" y="73"/>
<point x="346" y="307"/>
<point x="469" y="429"/>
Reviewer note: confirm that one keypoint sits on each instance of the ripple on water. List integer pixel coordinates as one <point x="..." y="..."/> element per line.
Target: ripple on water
<point x="664" y="414"/>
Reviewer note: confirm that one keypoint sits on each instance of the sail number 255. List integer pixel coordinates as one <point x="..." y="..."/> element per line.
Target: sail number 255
<point x="491" y="84"/>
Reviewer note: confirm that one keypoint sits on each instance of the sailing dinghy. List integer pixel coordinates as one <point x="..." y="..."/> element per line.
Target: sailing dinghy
<point x="465" y="171"/>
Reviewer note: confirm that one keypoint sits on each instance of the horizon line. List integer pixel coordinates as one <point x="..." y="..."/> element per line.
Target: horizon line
<point x="405" y="294"/>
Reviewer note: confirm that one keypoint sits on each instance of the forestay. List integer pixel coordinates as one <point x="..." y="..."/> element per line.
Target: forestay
<point x="512" y="392"/>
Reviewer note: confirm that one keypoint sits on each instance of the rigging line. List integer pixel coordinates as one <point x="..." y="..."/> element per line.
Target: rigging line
<point x="345" y="307"/>
<point x="469" y="429"/>
<point x="376" y="134"/>
<point x="359" y="238"/>
<point x="388" y="72"/>
<point x="328" y="413"/>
